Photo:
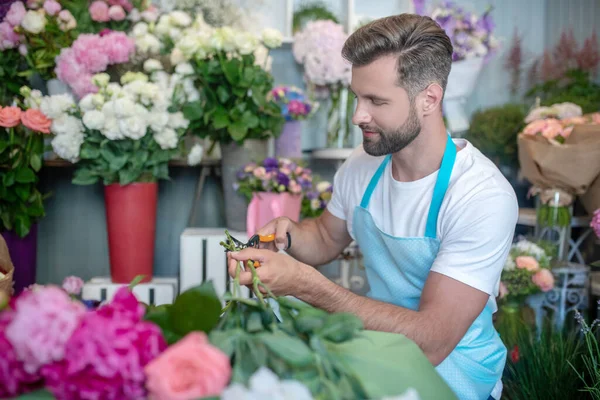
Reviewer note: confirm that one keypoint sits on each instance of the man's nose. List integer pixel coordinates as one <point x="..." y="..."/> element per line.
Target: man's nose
<point x="361" y="116"/>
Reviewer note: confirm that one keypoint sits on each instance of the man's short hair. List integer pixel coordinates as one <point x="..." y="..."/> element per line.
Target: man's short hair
<point x="423" y="49"/>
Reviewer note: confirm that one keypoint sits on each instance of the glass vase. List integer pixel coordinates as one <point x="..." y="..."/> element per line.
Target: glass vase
<point x="554" y="212"/>
<point x="339" y="118"/>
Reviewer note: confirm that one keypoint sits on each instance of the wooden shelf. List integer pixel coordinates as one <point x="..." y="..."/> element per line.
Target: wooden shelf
<point x="332" y="154"/>
<point x="59" y="163"/>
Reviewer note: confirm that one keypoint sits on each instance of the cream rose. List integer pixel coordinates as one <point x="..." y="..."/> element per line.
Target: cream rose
<point x="34" y="21"/>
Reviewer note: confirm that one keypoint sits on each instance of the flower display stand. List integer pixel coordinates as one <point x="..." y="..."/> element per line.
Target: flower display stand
<point x="202" y="258"/>
<point x="570" y="293"/>
<point x="157" y="292"/>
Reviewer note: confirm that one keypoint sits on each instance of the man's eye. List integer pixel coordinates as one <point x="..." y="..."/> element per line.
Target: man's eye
<point x="378" y="103"/>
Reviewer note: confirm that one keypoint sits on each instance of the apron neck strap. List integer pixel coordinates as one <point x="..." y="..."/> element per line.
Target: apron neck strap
<point x="440" y="188"/>
<point x="374" y="180"/>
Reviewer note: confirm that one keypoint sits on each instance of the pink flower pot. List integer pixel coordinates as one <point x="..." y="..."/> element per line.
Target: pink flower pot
<point x="265" y="207"/>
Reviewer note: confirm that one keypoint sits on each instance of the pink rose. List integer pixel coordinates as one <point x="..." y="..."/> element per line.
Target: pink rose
<point x="544" y="280"/>
<point x="99" y="11"/>
<point x="116" y="13"/>
<point x="36" y="121"/>
<point x="191" y="368"/>
<point x="260" y="172"/>
<point x="52" y="7"/>
<point x="502" y="291"/>
<point x="10" y="117"/>
<point x="73" y="285"/>
<point x="15" y="14"/>
<point x="534" y="127"/>
<point x="552" y="129"/>
<point x="527" y="262"/>
<point x="295" y="187"/>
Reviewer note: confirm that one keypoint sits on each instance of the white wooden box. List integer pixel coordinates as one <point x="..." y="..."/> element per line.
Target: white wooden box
<point x="202" y="259"/>
<point x="156" y="292"/>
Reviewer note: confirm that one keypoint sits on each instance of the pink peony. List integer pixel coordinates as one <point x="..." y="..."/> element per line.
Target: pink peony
<point x="52" y="7"/>
<point x="116" y="13"/>
<point x="544" y="280"/>
<point x="73" y="285"/>
<point x="90" y="52"/>
<point x="9" y="39"/>
<point x="527" y="262"/>
<point x="119" y="47"/>
<point x="106" y="356"/>
<point x="192" y="368"/>
<point x="595" y="223"/>
<point x="99" y="11"/>
<point x="44" y="320"/>
<point x="14" y="380"/>
<point x="15" y="13"/>
<point x="126" y="4"/>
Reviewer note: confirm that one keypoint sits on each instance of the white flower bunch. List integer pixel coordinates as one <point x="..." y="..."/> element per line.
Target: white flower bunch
<point x="202" y="41"/>
<point x="558" y="110"/>
<point x="152" y="38"/>
<point x="68" y="129"/>
<point x="264" y="384"/>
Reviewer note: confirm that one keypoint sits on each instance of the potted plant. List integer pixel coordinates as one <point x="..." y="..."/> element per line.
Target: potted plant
<point x="273" y="187"/>
<point x="21" y="149"/>
<point x="295" y="107"/>
<point x="316" y="199"/>
<point x="124" y="137"/>
<point x="230" y="68"/>
<point x="473" y="44"/>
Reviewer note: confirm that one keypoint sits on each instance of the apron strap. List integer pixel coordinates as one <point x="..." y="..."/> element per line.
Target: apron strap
<point x="439" y="191"/>
<point x="374" y="180"/>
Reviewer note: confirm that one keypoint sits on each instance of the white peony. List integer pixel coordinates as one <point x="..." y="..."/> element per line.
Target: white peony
<point x="246" y="43"/>
<point x="34" y="21"/>
<point x="133" y="127"/>
<point x="66" y="125"/>
<point x="158" y="120"/>
<point x="166" y="139"/>
<point x="272" y="38"/>
<point x="148" y="44"/>
<point x="140" y="29"/>
<point x="151" y="65"/>
<point x="98" y="100"/>
<point x="124" y="107"/>
<point x="86" y="103"/>
<point x="180" y="18"/>
<point x="195" y="155"/>
<point x="67" y="146"/>
<point x="111" y="129"/>
<point x="101" y="80"/>
<point x="94" y="120"/>
<point x="184" y="69"/>
<point x="55" y="106"/>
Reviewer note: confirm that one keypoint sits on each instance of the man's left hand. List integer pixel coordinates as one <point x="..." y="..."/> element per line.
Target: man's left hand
<point x="281" y="273"/>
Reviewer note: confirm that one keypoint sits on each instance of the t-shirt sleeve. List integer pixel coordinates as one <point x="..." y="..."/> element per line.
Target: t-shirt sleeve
<point x="337" y="206"/>
<point x="477" y="240"/>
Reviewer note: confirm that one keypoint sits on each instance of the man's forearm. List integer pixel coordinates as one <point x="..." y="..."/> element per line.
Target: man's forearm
<point x="311" y="244"/>
<point x="322" y="293"/>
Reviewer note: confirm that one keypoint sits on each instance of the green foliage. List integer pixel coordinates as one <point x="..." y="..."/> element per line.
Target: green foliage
<point x="546" y="367"/>
<point x="312" y="11"/>
<point x="21" y="203"/>
<point x="122" y="161"/>
<point x="576" y="87"/>
<point x="588" y="371"/>
<point x="11" y="64"/>
<point x="494" y="132"/>
<point x="233" y="106"/>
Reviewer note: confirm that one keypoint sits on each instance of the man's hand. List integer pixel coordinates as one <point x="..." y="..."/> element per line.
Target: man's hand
<point x="281" y="227"/>
<point x="279" y="272"/>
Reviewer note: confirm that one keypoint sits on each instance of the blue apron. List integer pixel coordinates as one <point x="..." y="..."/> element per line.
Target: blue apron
<point x="397" y="268"/>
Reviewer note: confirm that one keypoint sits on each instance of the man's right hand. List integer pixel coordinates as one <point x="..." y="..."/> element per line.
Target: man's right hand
<point x="280" y="227"/>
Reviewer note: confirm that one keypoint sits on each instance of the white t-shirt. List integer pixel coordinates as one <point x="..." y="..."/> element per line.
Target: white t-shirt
<point x="476" y="222"/>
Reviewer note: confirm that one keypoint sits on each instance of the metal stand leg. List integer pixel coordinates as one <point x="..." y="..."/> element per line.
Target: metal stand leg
<point x="204" y="173"/>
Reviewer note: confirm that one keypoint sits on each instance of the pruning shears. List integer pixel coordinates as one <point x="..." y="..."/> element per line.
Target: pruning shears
<point x="255" y="242"/>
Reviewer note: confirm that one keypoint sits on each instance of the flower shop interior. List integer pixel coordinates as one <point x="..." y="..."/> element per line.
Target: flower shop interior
<point x="141" y="141"/>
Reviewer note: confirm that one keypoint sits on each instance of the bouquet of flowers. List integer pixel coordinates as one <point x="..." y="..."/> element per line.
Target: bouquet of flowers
<point x="316" y="199"/>
<point x="39" y="30"/>
<point x="293" y="103"/>
<point x="526" y="271"/>
<point x="471" y="35"/>
<point x="233" y="104"/>
<point x="273" y="175"/>
<point x="116" y="15"/>
<point x="153" y="38"/>
<point x="126" y="132"/>
<point x="21" y="149"/>
<point x="91" y="54"/>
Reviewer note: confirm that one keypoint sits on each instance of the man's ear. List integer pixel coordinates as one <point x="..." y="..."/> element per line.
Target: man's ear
<point x="431" y="99"/>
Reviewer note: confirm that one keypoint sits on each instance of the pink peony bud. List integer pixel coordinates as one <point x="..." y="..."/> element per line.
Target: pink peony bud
<point x="52" y="7"/>
<point x="116" y="13"/>
<point x="73" y="285"/>
<point x="99" y="11"/>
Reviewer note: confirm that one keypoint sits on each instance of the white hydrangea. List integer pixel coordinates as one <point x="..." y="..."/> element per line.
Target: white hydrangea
<point x="151" y="65"/>
<point x="67" y="146"/>
<point x="509" y="265"/>
<point x="66" y="125"/>
<point x="55" y="106"/>
<point x="158" y="120"/>
<point x="195" y="155"/>
<point x="94" y="120"/>
<point x="111" y="130"/>
<point x="526" y="246"/>
<point x="264" y="384"/>
<point x="166" y="138"/>
<point x="134" y="127"/>
<point x="178" y="121"/>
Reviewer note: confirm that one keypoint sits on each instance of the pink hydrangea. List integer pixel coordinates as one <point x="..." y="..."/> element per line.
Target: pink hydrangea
<point x="8" y="37"/>
<point x="119" y="47"/>
<point x="595" y="223"/>
<point x="106" y="356"/>
<point x="52" y="7"/>
<point x="14" y="380"/>
<point x="99" y="11"/>
<point x="15" y="13"/>
<point x="89" y="52"/>
<point x="43" y="322"/>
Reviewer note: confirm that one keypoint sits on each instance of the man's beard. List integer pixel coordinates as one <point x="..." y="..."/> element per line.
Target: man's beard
<point x="392" y="142"/>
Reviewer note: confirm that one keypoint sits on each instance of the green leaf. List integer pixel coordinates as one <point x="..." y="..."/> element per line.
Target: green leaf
<point x="84" y="176"/>
<point x="3" y="146"/>
<point x="35" y="162"/>
<point x="23" y="191"/>
<point x="6" y="220"/>
<point x="227" y="340"/>
<point x="89" y="151"/>
<point x="237" y="130"/>
<point x="223" y="94"/>
<point x="292" y="349"/>
<point x="250" y="120"/>
<point x="340" y="327"/>
<point x="220" y="119"/>
<point x="193" y="111"/>
<point x="119" y="162"/>
<point x="231" y="69"/>
<point x="8" y="179"/>
<point x="22" y="225"/>
<point x="127" y="176"/>
<point x="161" y="171"/>
<point x="139" y="158"/>
<point x="196" y="309"/>
<point x="25" y="175"/>
<point x="107" y="153"/>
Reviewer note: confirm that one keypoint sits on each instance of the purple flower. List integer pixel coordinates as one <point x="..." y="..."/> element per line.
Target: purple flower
<point x="270" y="164"/>
<point x="312" y="195"/>
<point x="283" y="179"/>
<point x="240" y="175"/>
